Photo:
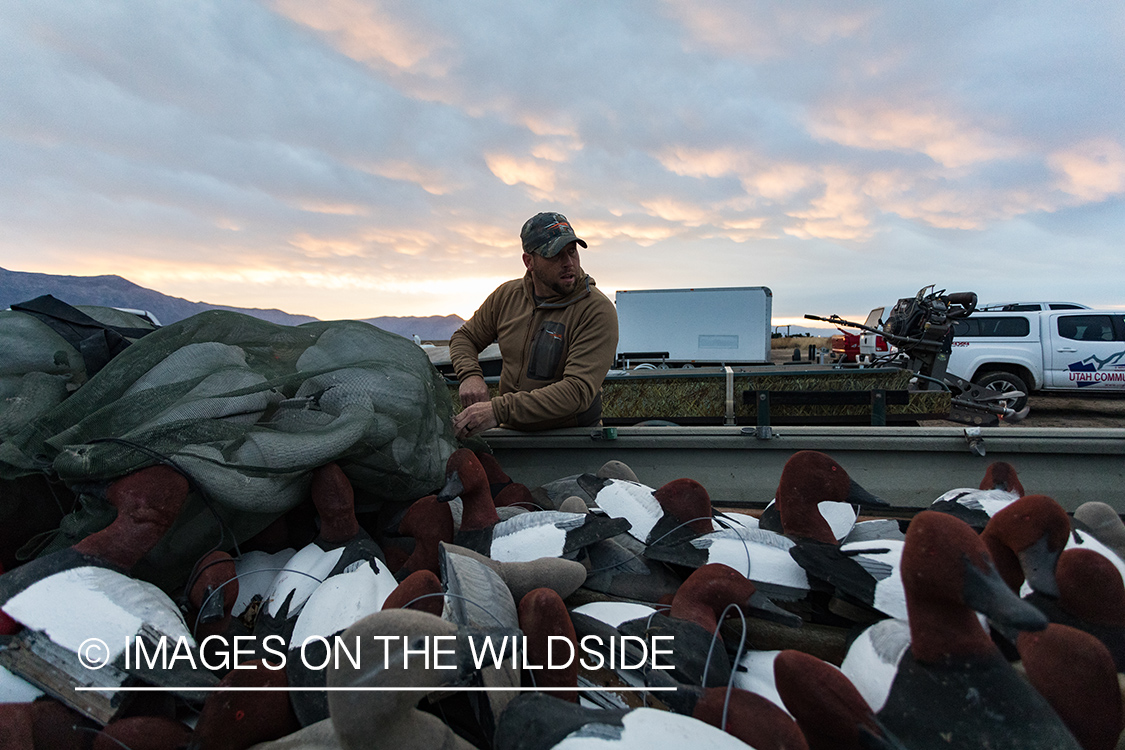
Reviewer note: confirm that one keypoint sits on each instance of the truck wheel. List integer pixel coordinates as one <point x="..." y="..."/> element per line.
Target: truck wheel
<point x="1001" y="380"/>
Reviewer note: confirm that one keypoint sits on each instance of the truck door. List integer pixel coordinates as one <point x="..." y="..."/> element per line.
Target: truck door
<point x="1087" y="351"/>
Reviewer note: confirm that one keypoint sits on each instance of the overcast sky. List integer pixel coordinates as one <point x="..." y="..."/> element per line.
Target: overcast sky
<point x="356" y="158"/>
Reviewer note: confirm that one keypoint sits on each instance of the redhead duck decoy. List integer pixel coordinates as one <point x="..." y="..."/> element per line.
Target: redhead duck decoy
<point x="815" y="499"/>
<point x="1074" y="583"/>
<point x="241" y="714"/>
<point x="535" y="721"/>
<point x="90" y="578"/>
<point x="1000" y="487"/>
<point x="341" y="545"/>
<point x="953" y="687"/>
<point x="525" y="537"/>
<point x="808" y="481"/>
<point x="430" y="523"/>
<point x="1025" y="539"/>
<point x="679" y="509"/>
<point x="1074" y="671"/>
<point x="1091" y="598"/>
<point x="692" y="621"/>
<point x="1103" y="523"/>
<point x="544" y="621"/>
<point x="829" y="710"/>
<point x="421" y="590"/>
<point x="147" y="502"/>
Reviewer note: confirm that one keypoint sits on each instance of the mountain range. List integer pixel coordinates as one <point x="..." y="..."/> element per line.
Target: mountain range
<point x="115" y="291"/>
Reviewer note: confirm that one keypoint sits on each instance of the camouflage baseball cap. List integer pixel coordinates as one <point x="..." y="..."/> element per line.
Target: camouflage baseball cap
<point x="547" y="234"/>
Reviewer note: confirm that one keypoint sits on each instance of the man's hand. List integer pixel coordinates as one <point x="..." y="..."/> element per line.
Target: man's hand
<point x="473" y="390"/>
<point x="473" y="419"/>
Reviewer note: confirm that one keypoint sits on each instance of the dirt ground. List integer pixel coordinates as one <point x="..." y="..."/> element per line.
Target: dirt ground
<point x="1054" y="410"/>
<point x="1087" y="410"/>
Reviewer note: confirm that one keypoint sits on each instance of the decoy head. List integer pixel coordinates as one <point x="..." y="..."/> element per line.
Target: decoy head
<point x="829" y="709"/>
<point x="334" y="498"/>
<point x="1091" y="588"/>
<point x="241" y="718"/>
<point x="420" y="590"/>
<point x="465" y="478"/>
<point x="542" y="614"/>
<point x="148" y="502"/>
<point x="707" y="592"/>
<point x="1001" y="475"/>
<point x="808" y="479"/>
<point x="948" y="575"/>
<point x="687" y="501"/>
<point x="1025" y="540"/>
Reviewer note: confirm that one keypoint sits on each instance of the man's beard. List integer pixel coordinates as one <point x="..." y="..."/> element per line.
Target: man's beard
<point x="558" y="287"/>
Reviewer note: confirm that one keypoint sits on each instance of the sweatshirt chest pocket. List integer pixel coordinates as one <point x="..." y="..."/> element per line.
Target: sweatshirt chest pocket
<point x="546" y="350"/>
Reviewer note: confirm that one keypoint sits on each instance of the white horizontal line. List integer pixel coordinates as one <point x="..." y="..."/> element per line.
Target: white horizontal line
<point x="234" y="689"/>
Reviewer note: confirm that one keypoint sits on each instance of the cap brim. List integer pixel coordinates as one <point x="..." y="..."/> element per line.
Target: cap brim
<point x="555" y="246"/>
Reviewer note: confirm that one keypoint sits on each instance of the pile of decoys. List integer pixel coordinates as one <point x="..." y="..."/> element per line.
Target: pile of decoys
<point x="991" y="620"/>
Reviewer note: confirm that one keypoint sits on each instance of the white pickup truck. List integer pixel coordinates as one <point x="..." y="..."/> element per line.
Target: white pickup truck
<point x="1049" y="350"/>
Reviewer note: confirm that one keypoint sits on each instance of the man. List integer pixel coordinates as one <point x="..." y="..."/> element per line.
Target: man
<point x="557" y="335"/>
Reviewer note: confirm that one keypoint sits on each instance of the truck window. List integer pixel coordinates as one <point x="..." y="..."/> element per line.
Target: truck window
<point x="1086" y="327"/>
<point x="1003" y="327"/>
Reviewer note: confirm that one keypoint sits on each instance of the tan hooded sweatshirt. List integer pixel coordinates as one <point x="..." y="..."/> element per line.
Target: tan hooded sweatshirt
<point x="555" y="353"/>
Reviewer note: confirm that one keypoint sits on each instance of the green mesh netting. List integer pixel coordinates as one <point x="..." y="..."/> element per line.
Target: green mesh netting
<point x="38" y="367"/>
<point x="248" y="408"/>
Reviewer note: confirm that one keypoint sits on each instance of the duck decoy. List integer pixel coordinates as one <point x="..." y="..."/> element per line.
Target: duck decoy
<point x="1091" y="598"/>
<point x="546" y="623"/>
<point x="564" y="577"/>
<point x="1025" y="539"/>
<point x="336" y="604"/>
<point x="999" y="488"/>
<point x="420" y="590"/>
<point x="809" y="480"/>
<point x="864" y="573"/>
<point x="692" y="621"/>
<point x="1103" y="523"/>
<point x="1075" y="583"/>
<point x="829" y="710"/>
<point x="815" y="499"/>
<point x="535" y="721"/>
<point x="525" y="537"/>
<point x="373" y="719"/>
<point x="430" y="523"/>
<point x="147" y="502"/>
<point x="340" y="545"/>
<point x="952" y="686"/>
<point x="1075" y="672"/>
<point x="655" y="516"/>
<point x="241" y="714"/>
